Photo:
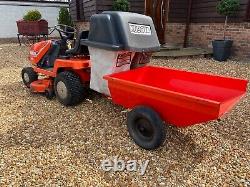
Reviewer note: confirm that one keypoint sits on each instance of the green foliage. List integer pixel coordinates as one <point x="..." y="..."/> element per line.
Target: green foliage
<point x="228" y="7"/>
<point x="121" y="5"/>
<point x="32" y="15"/>
<point x="64" y="17"/>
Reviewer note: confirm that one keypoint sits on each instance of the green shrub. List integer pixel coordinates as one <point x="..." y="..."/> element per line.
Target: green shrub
<point x="32" y="15"/>
<point x="64" y="17"/>
<point x="228" y="7"/>
<point x="121" y="5"/>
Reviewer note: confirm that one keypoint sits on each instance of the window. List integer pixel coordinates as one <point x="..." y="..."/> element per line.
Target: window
<point x="248" y="12"/>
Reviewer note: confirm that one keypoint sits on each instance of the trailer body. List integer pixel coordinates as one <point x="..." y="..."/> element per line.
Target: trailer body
<point x="181" y="98"/>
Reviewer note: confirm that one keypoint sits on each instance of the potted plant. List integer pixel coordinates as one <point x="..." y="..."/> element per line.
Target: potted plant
<point x="32" y="24"/>
<point x="222" y="48"/>
<point x="64" y="17"/>
<point x="121" y="5"/>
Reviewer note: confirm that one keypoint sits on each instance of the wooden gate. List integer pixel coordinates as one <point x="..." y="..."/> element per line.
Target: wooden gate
<point x="157" y="9"/>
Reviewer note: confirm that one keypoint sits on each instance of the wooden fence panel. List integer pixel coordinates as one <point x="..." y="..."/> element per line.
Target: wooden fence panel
<point x="76" y="10"/>
<point x="248" y="12"/>
<point x="205" y="11"/>
<point x="178" y="11"/>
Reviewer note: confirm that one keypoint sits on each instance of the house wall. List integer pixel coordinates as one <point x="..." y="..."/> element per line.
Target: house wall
<point x="11" y="11"/>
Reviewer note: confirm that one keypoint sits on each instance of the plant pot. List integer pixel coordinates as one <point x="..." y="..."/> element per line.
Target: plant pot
<point x="222" y="49"/>
<point x="32" y="28"/>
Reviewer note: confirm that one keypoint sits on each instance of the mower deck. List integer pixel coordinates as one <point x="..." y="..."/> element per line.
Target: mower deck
<point x="41" y="85"/>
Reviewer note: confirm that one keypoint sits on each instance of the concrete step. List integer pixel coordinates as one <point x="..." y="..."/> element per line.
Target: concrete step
<point x="191" y="51"/>
<point x="170" y="47"/>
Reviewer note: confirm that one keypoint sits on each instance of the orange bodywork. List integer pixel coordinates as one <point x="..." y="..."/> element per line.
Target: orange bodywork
<point x="65" y="64"/>
<point x="40" y="86"/>
<point x="38" y="51"/>
<point x="80" y="66"/>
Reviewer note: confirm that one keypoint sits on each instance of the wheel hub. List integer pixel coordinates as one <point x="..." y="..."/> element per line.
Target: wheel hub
<point x="26" y="77"/>
<point x="144" y="129"/>
<point x="61" y="90"/>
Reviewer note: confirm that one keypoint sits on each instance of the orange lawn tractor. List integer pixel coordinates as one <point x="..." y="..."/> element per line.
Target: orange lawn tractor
<point x="66" y="72"/>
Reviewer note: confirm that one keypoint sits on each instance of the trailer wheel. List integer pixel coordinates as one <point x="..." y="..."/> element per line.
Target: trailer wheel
<point x="146" y="128"/>
<point x="69" y="89"/>
<point x="29" y="76"/>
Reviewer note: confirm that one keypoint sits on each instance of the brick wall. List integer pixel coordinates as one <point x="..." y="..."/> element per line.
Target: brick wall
<point x="82" y="26"/>
<point x="202" y="34"/>
<point x="175" y="33"/>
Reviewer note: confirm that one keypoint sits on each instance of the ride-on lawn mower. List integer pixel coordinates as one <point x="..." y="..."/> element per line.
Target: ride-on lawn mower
<point x="66" y="70"/>
<point x="111" y="58"/>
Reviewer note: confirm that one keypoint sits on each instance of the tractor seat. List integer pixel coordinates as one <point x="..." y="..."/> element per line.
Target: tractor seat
<point x="78" y="48"/>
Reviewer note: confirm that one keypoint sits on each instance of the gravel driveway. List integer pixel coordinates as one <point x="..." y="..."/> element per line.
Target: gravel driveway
<point x="44" y="143"/>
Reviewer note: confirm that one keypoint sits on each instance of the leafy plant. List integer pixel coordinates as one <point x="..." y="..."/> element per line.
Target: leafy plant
<point x="121" y="5"/>
<point x="32" y="15"/>
<point x="227" y="8"/>
<point x="64" y="17"/>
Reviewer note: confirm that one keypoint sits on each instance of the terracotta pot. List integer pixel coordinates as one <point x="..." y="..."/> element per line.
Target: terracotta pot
<point x="30" y="28"/>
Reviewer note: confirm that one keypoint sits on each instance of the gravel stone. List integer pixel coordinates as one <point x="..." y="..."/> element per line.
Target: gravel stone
<point x="43" y="143"/>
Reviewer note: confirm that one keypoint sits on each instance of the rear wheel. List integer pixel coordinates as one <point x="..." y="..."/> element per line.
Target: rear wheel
<point x="69" y="89"/>
<point x="29" y="76"/>
<point x="146" y="128"/>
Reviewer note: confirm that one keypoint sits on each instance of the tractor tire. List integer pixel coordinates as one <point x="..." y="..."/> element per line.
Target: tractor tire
<point x="29" y="76"/>
<point x="49" y="94"/>
<point x="146" y="128"/>
<point x="68" y="89"/>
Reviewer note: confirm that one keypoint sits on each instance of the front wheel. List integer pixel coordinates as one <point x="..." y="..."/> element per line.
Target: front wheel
<point x="49" y="94"/>
<point x="29" y="76"/>
<point x="146" y="128"/>
<point x="69" y="89"/>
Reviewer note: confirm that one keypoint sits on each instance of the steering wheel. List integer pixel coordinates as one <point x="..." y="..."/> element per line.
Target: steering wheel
<point x="65" y="29"/>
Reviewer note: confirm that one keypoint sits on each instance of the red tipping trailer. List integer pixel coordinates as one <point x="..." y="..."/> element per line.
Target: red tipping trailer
<point x="180" y="98"/>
